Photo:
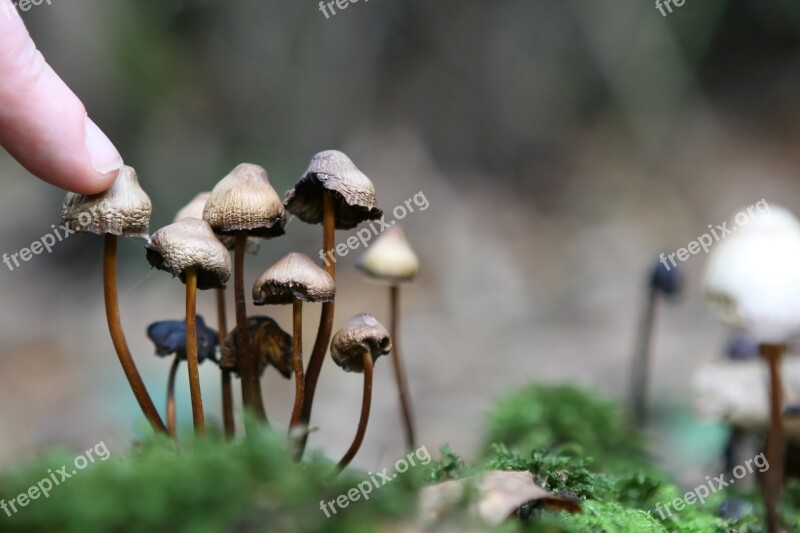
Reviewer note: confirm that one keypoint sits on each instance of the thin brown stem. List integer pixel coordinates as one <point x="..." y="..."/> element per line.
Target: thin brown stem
<point x="641" y="364"/>
<point x="326" y="319"/>
<point x="251" y="384"/>
<point x="297" y="348"/>
<point x="366" y="403"/>
<point x="776" y="439"/>
<point x="118" y="336"/>
<point x="172" y="423"/>
<point x="227" y="387"/>
<point x="399" y="369"/>
<point x="191" y="351"/>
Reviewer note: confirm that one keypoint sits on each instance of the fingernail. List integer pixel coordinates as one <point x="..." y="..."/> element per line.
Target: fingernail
<point x="105" y="157"/>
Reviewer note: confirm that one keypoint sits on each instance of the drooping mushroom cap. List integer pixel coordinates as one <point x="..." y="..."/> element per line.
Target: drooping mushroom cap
<point x="123" y="210"/>
<point x="294" y="276"/>
<point x="753" y="281"/>
<point x="169" y="336"/>
<point x="390" y="258"/>
<point x="362" y="333"/>
<point x="353" y="192"/>
<point x="244" y="200"/>
<point x="190" y="243"/>
<point x="194" y="209"/>
<point x="273" y="345"/>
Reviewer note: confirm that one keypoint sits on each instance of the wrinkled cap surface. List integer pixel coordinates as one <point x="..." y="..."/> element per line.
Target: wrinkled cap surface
<point x="190" y="243"/>
<point x="294" y="276"/>
<point x="123" y="210"/>
<point x="753" y="281"/>
<point x="353" y="192"/>
<point x="195" y="208"/>
<point x="169" y="336"/>
<point x="390" y="258"/>
<point x="244" y="200"/>
<point x="272" y="344"/>
<point x="361" y="333"/>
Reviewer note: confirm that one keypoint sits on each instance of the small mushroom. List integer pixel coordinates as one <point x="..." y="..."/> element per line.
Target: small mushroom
<point x="391" y="260"/>
<point x="295" y="279"/>
<point x="244" y="204"/>
<point x="169" y="336"/>
<point x="123" y="210"/>
<point x="664" y="281"/>
<point x="355" y="348"/>
<point x="273" y="346"/>
<point x="753" y="284"/>
<point x="334" y="192"/>
<point x="190" y="250"/>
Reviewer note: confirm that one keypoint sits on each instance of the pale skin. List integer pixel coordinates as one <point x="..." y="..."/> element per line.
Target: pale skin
<point x="43" y="124"/>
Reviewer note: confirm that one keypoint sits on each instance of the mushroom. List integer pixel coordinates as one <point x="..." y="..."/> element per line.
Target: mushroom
<point x="753" y="284"/>
<point x="244" y="204"/>
<point x="665" y="281"/>
<point x="333" y="192"/>
<point x="123" y="210"/>
<point x="190" y="250"/>
<point x="391" y="260"/>
<point x="295" y="279"/>
<point x="169" y="336"/>
<point x="355" y="348"/>
<point x="274" y="347"/>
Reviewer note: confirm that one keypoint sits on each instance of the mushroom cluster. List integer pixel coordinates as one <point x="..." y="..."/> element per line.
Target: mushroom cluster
<point x="242" y="209"/>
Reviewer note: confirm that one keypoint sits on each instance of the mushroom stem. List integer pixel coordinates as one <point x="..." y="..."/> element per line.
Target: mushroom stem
<point x="191" y="351"/>
<point x="399" y="370"/>
<point x="297" y="347"/>
<point x="227" y="388"/>
<point x="776" y="439"/>
<point x="366" y="403"/>
<point x="251" y="384"/>
<point x="641" y="363"/>
<point x="326" y="319"/>
<point x="172" y="423"/>
<point x="118" y="335"/>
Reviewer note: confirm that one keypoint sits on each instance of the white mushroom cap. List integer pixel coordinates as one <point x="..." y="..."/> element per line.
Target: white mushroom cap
<point x="390" y="258"/>
<point x="753" y="278"/>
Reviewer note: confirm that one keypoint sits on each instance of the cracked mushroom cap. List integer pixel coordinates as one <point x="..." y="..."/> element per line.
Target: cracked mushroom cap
<point x="752" y="281"/>
<point x="361" y="333"/>
<point x="294" y="276"/>
<point x="390" y="258"/>
<point x="190" y="243"/>
<point x="244" y="200"/>
<point x="194" y="209"/>
<point x="273" y="344"/>
<point x="353" y="192"/>
<point x="123" y="210"/>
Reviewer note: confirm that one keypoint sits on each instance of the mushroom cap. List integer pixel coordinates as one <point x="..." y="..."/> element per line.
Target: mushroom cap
<point x="190" y="243"/>
<point x="194" y="209"/>
<point x="244" y="200"/>
<point x="273" y="344"/>
<point x="294" y="276"/>
<point x="353" y="192"/>
<point x="390" y="258"/>
<point x="169" y="336"/>
<point x="123" y="210"/>
<point x="666" y="280"/>
<point x="362" y="333"/>
<point x="753" y="281"/>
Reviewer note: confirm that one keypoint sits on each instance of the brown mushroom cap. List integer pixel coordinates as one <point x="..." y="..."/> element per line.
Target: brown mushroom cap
<point x="353" y="192"/>
<point x="390" y="258"/>
<point x="273" y="344"/>
<point x="361" y="333"/>
<point x="123" y="210"/>
<point x="194" y="209"/>
<point x="190" y="243"/>
<point x="244" y="200"/>
<point x="294" y="276"/>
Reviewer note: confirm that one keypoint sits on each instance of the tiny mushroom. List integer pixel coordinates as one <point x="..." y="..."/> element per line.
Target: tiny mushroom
<point x="244" y="204"/>
<point x="355" y="348"/>
<point x="391" y="260"/>
<point x="334" y="192"/>
<point x="121" y="211"/>
<point x="190" y="250"/>
<point x="273" y="346"/>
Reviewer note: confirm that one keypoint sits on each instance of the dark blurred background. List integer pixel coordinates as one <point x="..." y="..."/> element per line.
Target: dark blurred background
<point x="562" y="146"/>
